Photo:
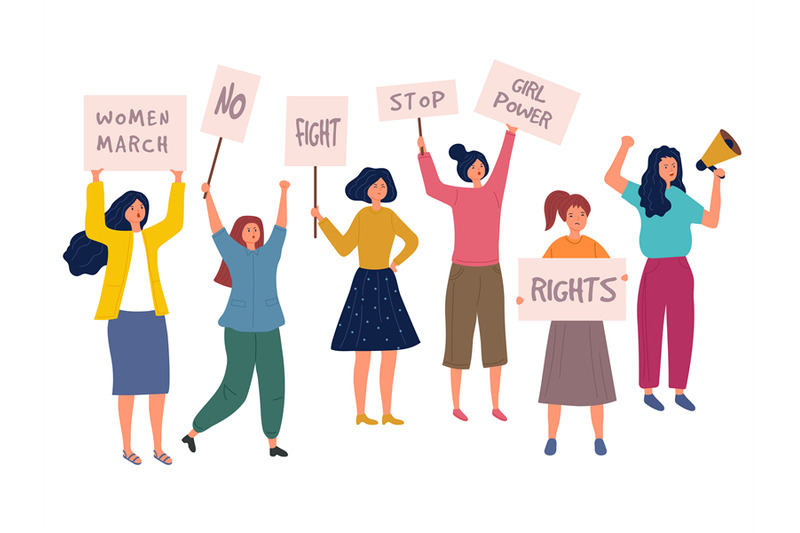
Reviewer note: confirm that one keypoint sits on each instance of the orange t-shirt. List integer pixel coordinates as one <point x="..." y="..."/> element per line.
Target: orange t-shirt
<point x="582" y="248"/>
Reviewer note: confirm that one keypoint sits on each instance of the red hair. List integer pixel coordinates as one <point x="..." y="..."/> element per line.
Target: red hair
<point x="560" y="202"/>
<point x="223" y="276"/>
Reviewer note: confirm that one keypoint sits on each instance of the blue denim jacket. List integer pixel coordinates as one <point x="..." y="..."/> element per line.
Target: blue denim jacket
<point x="253" y="304"/>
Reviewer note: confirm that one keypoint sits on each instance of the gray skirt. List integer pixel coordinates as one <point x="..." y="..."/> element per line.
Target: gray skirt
<point x="577" y="370"/>
<point x="139" y="353"/>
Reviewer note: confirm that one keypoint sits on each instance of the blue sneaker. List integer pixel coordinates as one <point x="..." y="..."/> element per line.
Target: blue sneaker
<point x="599" y="447"/>
<point x="652" y="401"/>
<point x="684" y="402"/>
<point x="550" y="447"/>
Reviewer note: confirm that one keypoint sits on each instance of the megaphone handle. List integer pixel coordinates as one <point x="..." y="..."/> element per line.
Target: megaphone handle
<point x="712" y="168"/>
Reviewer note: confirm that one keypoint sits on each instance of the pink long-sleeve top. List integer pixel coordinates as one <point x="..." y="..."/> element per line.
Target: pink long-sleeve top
<point x="476" y="212"/>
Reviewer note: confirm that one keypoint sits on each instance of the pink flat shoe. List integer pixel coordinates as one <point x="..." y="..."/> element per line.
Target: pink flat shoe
<point x="458" y="413"/>
<point x="499" y="414"/>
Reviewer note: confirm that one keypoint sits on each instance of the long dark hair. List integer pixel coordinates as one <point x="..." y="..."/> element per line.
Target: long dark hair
<point x="465" y="160"/>
<point x="223" y="276"/>
<point x="653" y="188"/>
<point x="358" y="186"/>
<point x="85" y="256"/>
<point x="559" y="202"/>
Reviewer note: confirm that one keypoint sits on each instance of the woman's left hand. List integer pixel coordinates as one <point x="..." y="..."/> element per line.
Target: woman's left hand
<point x="624" y="277"/>
<point x="177" y="174"/>
<point x="393" y="267"/>
<point x="511" y="128"/>
<point x="719" y="173"/>
<point x="284" y="184"/>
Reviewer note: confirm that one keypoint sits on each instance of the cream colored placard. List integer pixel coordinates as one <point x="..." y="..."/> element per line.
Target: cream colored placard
<point x="530" y="103"/>
<point x="418" y="100"/>
<point x="233" y="93"/>
<point x="134" y="132"/>
<point x="316" y="130"/>
<point x="572" y="289"/>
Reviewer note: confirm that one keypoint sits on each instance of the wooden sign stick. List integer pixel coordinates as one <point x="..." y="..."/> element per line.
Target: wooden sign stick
<point x="315" y="200"/>
<point x="210" y="174"/>
<point x="419" y="125"/>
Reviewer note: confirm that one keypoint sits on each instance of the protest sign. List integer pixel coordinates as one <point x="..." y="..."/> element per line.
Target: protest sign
<point x="417" y="100"/>
<point x="316" y="130"/>
<point x="316" y="133"/>
<point x="230" y="103"/>
<point x="532" y="104"/>
<point x="134" y="132"/>
<point x="572" y="289"/>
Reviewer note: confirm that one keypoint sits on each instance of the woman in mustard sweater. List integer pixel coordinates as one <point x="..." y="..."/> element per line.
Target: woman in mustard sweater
<point x="374" y="316"/>
<point x="131" y="300"/>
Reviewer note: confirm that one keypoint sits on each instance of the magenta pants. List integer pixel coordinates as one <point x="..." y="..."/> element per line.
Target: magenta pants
<point x="667" y="285"/>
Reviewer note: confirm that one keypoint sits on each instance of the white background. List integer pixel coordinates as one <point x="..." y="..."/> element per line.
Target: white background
<point x="664" y="73"/>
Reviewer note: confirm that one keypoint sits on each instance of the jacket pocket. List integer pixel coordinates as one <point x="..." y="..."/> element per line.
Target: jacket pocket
<point x="238" y="303"/>
<point x="271" y="302"/>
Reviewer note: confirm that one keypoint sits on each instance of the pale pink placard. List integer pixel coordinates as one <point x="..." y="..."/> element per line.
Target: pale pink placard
<point x="230" y="103"/>
<point x="316" y="130"/>
<point x="134" y="132"/>
<point x="512" y="96"/>
<point x="418" y="100"/>
<point x="591" y="289"/>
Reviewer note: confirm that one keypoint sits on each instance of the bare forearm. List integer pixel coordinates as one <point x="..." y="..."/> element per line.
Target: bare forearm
<point x="282" y="211"/>
<point x="213" y="217"/>
<point x="614" y="174"/>
<point x="711" y="217"/>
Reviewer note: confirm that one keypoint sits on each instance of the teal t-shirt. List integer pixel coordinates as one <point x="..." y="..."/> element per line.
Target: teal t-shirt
<point x="670" y="235"/>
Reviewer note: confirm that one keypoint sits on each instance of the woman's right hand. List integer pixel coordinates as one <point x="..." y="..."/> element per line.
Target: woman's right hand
<point x="421" y="143"/>
<point x="205" y="187"/>
<point x="627" y="141"/>
<point x="315" y="213"/>
<point x="520" y="300"/>
<point x="96" y="175"/>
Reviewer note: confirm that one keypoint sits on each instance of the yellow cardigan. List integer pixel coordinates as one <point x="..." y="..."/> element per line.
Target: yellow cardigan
<point x="120" y="248"/>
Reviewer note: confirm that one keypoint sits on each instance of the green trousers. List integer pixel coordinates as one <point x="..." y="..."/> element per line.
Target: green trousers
<point x="246" y="352"/>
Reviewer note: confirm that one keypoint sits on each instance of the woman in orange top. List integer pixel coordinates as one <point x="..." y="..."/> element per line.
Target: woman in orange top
<point x="577" y="370"/>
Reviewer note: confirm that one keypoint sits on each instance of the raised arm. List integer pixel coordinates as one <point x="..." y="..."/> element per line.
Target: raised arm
<point x="711" y="216"/>
<point x="173" y="222"/>
<point x="433" y="185"/>
<point x="281" y="221"/>
<point x="213" y="217"/>
<point x="614" y="174"/>
<point x="96" y="228"/>
<point x="497" y="181"/>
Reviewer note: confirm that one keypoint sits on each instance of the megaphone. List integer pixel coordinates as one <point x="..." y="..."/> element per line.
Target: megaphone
<point x="722" y="148"/>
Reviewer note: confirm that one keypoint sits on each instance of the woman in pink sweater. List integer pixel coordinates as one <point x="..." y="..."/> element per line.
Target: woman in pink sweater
<point x="475" y="287"/>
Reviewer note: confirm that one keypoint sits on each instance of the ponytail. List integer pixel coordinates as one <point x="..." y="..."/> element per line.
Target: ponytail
<point x="560" y="202"/>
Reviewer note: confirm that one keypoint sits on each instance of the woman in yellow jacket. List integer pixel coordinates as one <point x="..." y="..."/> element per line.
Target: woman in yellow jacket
<point x="131" y="300"/>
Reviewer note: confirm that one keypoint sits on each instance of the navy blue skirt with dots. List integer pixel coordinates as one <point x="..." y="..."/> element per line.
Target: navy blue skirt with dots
<point x="374" y="317"/>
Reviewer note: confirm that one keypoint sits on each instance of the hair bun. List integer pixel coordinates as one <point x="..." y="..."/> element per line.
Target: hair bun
<point x="457" y="152"/>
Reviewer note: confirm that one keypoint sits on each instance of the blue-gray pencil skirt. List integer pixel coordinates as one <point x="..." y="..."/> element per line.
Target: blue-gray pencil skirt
<point x="139" y="353"/>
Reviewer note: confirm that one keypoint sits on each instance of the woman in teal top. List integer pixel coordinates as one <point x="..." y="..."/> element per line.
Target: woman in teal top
<point x="667" y="286"/>
<point x="251" y="321"/>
